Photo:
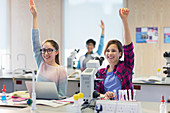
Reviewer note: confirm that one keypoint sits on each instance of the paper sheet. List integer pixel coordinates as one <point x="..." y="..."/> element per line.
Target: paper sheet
<point x="52" y="103"/>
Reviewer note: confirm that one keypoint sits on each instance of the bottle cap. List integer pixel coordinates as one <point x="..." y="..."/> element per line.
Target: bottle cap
<point x="3" y="90"/>
<point x="81" y="95"/>
<point x="158" y="70"/>
<point x="76" y="97"/>
<point x="29" y="102"/>
<point x="162" y="99"/>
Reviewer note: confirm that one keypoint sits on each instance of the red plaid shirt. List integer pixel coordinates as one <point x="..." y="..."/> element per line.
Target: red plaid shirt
<point x="123" y="70"/>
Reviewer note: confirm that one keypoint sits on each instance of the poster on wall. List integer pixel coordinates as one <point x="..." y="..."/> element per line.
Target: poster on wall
<point x="166" y="34"/>
<point x="146" y="34"/>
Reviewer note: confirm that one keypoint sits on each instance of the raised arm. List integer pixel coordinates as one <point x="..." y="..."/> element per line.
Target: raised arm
<point x="34" y="14"/>
<point x="101" y="42"/>
<point x="124" y="12"/>
<point x="35" y="34"/>
<point x="128" y="48"/>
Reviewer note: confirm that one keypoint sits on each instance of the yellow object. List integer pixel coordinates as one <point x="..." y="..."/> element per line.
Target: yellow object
<point x="81" y="95"/>
<point x="158" y="70"/>
<point x="22" y="94"/>
<point x="76" y="97"/>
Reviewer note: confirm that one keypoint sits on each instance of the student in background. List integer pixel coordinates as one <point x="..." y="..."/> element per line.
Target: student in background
<point x="118" y="74"/>
<point x="47" y="57"/>
<point x="90" y="45"/>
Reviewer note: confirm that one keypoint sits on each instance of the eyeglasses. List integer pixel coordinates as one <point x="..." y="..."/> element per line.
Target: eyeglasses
<point x="49" y="51"/>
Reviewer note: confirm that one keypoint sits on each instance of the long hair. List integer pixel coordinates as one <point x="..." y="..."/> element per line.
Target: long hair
<point x="56" y="46"/>
<point x="116" y="42"/>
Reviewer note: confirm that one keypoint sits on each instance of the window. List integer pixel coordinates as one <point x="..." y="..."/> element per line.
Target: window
<point x="4" y="35"/>
<point x="82" y="21"/>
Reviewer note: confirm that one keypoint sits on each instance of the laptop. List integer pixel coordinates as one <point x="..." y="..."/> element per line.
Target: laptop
<point x="44" y="90"/>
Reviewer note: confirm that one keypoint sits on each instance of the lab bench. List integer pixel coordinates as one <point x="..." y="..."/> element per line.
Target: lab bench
<point x="151" y="92"/>
<point x="145" y="91"/>
<point x="17" y="83"/>
<point x="147" y="107"/>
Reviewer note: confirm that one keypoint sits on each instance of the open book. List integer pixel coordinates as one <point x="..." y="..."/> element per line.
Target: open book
<point x="150" y="79"/>
<point x="154" y="78"/>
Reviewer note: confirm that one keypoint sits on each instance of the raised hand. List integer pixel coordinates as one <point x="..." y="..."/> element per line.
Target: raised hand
<point x="102" y="26"/>
<point x="124" y="12"/>
<point x="32" y="8"/>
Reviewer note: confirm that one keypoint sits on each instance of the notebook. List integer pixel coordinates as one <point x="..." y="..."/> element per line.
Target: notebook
<point x="44" y="90"/>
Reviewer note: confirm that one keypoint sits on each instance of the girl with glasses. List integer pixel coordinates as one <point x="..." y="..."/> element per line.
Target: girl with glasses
<point x="47" y="57"/>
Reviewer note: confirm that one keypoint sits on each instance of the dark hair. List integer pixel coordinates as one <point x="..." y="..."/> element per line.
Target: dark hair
<point x="56" y="46"/>
<point x="91" y="41"/>
<point x="116" y="42"/>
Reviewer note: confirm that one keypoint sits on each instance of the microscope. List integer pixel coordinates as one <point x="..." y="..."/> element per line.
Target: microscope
<point x="71" y="61"/>
<point x="87" y="78"/>
<point x="167" y="67"/>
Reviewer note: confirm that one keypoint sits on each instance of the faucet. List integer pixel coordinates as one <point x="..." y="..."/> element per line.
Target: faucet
<point x="22" y="70"/>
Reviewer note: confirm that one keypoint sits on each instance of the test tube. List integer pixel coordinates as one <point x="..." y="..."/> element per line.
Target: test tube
<point x="33" y="92"/>
<point x="120" y="95"/>
<point x="134" y="95"/>
<point x="123" y="97"/>
<point x="80" y="100"/>
<point x="76" y="97"/>
<point x="115" y="94"/>
<point x="130" y="96"/>
<point x="125" y="91"/>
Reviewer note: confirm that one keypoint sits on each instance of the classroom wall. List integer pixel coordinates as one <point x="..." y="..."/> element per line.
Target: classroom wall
<point x="149" y="13"/>
<point x="143" y="13"/>
<point x="50" y="25"/>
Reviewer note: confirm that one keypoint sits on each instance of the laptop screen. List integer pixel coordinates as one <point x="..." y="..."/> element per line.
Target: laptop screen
<point x="44" y="90"/>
